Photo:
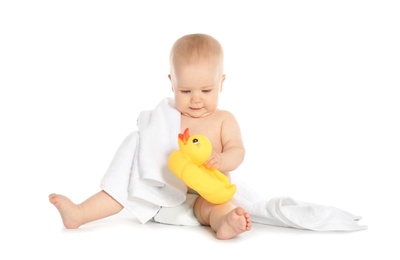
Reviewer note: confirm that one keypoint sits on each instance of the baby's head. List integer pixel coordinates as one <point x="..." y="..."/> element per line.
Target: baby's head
<point x="193" y="48"/>
<point x="196" y="74"/>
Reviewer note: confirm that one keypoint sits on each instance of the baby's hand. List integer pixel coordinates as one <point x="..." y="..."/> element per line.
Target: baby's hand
<point x="214" y="161"/>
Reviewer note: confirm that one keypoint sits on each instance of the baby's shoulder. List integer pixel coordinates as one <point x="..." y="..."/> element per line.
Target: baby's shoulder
<point x="225" y="115"/>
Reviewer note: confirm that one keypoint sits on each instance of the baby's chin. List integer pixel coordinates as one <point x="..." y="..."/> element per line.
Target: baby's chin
<point x="196" y="113"/>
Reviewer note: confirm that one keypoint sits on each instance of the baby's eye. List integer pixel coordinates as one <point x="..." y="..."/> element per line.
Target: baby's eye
<point x="185" y="91"/>
<point x="195" y="141"/>
<point x="206" y="90"/>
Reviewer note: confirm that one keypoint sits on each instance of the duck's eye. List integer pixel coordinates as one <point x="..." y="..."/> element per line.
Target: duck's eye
<point x="195" y="141"/>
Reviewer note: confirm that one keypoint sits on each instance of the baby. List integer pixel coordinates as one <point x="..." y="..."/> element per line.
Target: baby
<point x="197" y="76"/>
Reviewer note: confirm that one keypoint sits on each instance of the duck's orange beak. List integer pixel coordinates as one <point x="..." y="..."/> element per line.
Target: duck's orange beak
<point x="185" y="136"/>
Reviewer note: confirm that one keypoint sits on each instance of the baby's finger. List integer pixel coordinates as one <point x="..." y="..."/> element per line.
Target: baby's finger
<point x="210" y="163"/>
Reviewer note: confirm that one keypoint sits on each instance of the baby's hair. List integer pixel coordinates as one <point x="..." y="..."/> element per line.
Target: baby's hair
<point x="193" y="47"/>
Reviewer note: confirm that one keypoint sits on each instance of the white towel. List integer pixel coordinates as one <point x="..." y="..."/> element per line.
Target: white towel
<point x="151" y="179"/>
<point x="279" y="211"/>
<point x="138" y="176"/>
<point x="139" y="179"/>
<point x="117" y="178"/>
<point x="158" y="131"/>
<point x="287" y="212"/>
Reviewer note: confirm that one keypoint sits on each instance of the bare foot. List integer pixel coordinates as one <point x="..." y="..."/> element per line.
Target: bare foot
<point x="69" y="211"/>
<point x="235" y="223"/>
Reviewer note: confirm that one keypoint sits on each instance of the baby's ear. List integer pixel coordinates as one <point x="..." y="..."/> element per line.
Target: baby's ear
<point x="223" y="77"/>
<point x="172" y="87"/>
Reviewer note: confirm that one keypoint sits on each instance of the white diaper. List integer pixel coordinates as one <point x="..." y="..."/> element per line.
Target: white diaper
<point x="181" y="215"/>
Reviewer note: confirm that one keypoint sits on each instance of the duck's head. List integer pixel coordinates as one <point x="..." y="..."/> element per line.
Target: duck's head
<point x="197" y="147"/>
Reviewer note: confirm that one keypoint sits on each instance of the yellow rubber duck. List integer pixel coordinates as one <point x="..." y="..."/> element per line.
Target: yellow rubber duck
<point x="187" y="164"/>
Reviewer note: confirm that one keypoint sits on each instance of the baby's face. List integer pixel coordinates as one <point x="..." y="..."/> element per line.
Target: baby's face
<point x="196" y="86"/>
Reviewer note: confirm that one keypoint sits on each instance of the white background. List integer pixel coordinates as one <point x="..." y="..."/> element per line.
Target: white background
<point x="314" y="85"/>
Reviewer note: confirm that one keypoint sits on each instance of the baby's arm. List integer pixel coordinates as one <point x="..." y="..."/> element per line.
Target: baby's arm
<point x="233" y="151"/>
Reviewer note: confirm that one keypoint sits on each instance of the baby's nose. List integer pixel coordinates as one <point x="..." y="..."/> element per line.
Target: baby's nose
<point x="195" y="98"/>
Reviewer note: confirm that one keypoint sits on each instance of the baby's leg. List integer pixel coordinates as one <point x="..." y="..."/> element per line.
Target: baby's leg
<point x="99" y="206"/>
<point x="227" y="220"/>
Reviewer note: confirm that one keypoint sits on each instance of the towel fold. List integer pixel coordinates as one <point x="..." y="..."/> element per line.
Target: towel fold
<point x="158" y="131"/>
<point x="151" y="179"/>
<point x="288" y="212"/>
